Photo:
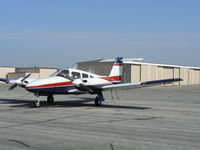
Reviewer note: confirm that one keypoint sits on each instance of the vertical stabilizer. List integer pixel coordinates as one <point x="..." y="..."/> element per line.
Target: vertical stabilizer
<point x="116" y="72"/>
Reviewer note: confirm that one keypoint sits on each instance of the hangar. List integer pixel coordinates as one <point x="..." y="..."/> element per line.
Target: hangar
<point x="36" y="72"/>
<point x="4" y="70"/>
<point x="140" y="71"/>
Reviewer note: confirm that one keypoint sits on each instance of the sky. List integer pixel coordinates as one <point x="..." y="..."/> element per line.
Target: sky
<point x="58" y="33"/>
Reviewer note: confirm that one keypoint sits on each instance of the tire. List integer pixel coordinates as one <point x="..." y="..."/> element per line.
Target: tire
<point x="50" y="99"/>
<point x="97" y="101"/>
<point x="36" y="104"/>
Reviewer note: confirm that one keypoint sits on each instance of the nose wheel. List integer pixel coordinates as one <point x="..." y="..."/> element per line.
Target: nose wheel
<point x="37" y="102"/>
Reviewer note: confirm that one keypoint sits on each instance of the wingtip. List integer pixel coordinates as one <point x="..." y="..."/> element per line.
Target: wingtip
<point x="178" y="79"/>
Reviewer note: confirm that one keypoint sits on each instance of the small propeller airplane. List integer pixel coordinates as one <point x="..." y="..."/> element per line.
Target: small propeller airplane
<point x="74" y="81"/>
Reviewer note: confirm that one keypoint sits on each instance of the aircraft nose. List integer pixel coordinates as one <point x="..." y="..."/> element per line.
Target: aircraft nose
<point x="29" y="87"/>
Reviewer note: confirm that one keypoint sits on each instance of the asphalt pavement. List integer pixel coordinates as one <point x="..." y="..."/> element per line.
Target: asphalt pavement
<point x="156" y="118"/>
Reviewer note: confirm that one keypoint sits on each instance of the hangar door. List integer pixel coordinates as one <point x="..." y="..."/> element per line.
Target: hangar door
<point x="196" y="77"/>
<point x="168" y="73"/>
<point x="135" y="73"/>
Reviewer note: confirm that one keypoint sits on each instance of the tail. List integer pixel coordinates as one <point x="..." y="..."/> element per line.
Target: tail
<point x="116" y="72"/>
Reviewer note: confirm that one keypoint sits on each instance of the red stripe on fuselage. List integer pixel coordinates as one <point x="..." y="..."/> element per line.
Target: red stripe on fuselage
<point x="50" y="85"/>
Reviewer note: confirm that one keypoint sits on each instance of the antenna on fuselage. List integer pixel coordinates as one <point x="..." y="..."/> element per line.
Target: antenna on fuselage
<point x="75" y="67"/>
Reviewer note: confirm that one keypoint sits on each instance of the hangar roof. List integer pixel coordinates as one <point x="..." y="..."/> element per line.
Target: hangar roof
<point x="138" y="63"/>
<point x="164" y="65"/>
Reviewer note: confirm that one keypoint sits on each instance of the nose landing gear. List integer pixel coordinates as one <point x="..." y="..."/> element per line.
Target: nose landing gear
<point x="37" y="102"/>
<point x="50" y="100"/>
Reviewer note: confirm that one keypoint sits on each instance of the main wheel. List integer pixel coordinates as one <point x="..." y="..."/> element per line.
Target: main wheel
<point x="50" y="99"/>
<point x="98" y="101"/>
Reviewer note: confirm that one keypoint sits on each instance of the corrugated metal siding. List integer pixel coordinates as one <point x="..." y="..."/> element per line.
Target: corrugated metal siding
<point x="176" y="75"/>
<point x="196" y="77"/>
<point x="145" y="73"/>
<point x="102" y="68"/>
<point x="159" y="73"/>
<point x="153" y="72"/>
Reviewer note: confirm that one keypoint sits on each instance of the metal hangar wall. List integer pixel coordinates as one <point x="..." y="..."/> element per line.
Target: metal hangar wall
<point x="139" y="71"/>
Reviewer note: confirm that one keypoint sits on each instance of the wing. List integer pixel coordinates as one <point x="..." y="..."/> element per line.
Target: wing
<point x="4" y="80"/>
<point x="140" y="84"/>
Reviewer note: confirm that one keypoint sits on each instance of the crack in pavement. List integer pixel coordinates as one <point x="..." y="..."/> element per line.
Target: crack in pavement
<point x="43" y="121"/>
<point x="147" y="118"/>
<point x="19" y="142"/>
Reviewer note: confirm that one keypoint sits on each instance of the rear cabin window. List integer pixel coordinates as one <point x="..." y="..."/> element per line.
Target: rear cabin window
<point x="84" y="75"/>
<point x="91" y="77"/>
<point x="76" y="75"/>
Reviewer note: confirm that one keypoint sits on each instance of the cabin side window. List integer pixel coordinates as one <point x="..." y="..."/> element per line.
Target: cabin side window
<point x="84" y="75"/>
<point x="76" y="75"/>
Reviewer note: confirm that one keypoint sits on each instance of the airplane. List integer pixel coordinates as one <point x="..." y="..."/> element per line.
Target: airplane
<point x="74" y="81"/>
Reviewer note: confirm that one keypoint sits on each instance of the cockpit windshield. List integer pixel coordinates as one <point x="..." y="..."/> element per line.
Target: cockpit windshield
<point x="63" y="73"/>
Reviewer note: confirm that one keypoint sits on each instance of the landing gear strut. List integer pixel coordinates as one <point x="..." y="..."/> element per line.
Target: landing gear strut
<point x="99" y="99"/>
<point x="50" y="99"/>
<point x="37" y="102"/>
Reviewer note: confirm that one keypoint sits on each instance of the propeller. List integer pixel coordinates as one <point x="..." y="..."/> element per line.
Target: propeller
<point x="28" y="75"/>
<point x="19" y="82"/>
<point x="13" y="86"/>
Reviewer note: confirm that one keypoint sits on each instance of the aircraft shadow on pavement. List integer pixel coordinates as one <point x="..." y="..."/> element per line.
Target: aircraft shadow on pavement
<point x="81" y="102"/>
<point x="15" y="102"/>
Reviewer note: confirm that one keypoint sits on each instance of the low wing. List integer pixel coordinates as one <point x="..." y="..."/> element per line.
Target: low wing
<point x="140" y="84"/>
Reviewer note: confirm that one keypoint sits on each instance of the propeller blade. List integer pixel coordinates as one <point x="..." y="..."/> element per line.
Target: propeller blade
<point x="13" y="86"/>
<point x="25" y="77"/>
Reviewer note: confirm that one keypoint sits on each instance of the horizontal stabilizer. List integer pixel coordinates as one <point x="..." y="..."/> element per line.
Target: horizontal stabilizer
<point x="124" y="59"/>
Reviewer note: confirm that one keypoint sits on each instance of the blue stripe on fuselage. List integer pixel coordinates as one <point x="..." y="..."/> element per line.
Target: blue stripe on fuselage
<point x="52" y="90"/>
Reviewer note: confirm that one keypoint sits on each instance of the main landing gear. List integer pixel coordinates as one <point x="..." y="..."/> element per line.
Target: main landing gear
<point x="99" y="99"/>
